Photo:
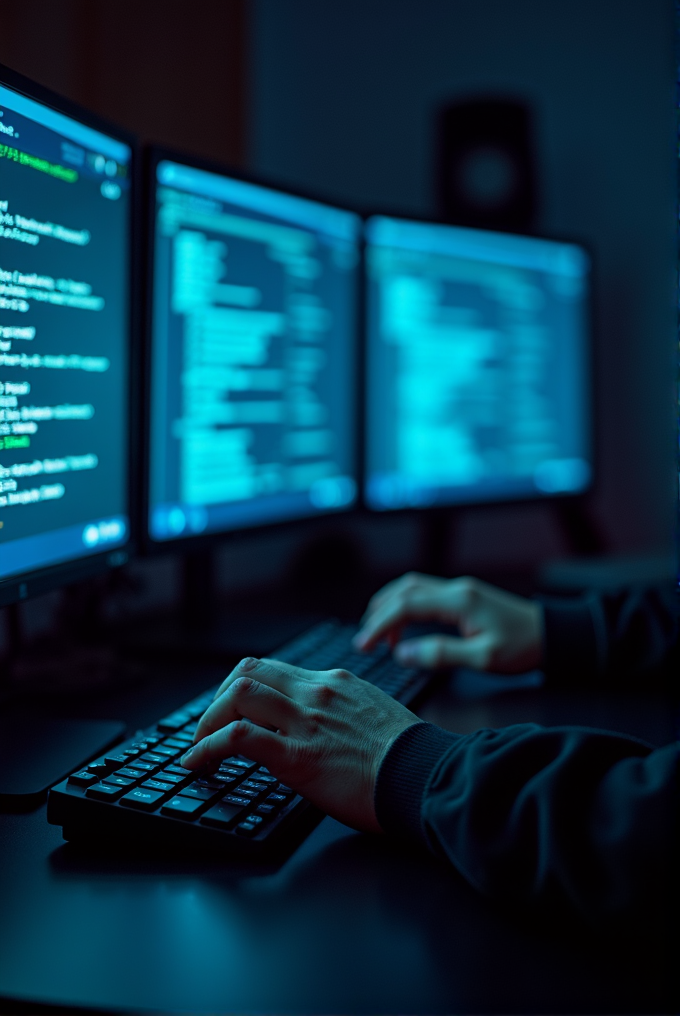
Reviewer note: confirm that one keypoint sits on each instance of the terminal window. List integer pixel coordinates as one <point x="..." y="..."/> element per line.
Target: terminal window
<point x="64" y="327"/>
<point x="253" y="361"/>
<point x="477" y="366"/>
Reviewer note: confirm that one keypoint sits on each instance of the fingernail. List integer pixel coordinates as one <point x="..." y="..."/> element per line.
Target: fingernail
<point x="248" y="664"/>
<point x="187" y="757"/>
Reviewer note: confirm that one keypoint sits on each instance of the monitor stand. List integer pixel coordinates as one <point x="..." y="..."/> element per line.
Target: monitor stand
<point x="37" y="750"/>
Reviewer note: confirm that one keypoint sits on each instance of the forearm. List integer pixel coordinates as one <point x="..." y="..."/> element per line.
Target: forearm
<point x="568" y="817"/>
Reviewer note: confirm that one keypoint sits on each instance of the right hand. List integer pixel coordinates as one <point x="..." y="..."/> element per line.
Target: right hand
<point x="498" y="631"/>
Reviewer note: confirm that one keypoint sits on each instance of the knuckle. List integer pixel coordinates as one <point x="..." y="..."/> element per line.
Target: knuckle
<point x="238" y="730"/>
<point x="467" y="588"/>
<point x="324" y="693"/>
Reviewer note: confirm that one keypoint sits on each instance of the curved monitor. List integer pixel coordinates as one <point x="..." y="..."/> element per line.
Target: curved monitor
<point x="252" y="354"/>
<point x="65" y="327"/>
<point x="478" y="350"/>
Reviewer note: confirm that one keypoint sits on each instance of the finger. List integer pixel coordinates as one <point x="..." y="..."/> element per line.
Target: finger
<point x="272" y="672"/>
<point x="390" y="589"/>
<point x="435" y="652"/>
<point x="250" y="699"/>
<point x="415" y="605"/>
<point x="238" y="738"/>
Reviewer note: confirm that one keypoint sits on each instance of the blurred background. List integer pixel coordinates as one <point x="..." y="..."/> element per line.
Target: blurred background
<point x="341" y="99"/>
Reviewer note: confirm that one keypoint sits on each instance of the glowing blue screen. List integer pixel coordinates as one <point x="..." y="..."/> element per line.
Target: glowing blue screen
<point x="477" y="366"/>
<point x="254" y="356"/>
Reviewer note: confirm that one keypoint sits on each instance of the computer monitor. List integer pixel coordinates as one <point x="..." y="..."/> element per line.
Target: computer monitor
<point x="66" y="327"/>
<point x="253" y="354"/>
<point x="478" y="386"/>
<point x="65" y="336"/>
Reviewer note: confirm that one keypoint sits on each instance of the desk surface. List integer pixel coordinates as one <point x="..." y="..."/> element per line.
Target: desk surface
<point x="350" y="923"/>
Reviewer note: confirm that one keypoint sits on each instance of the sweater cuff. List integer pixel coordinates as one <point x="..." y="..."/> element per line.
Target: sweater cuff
<point x="404" y="774"/>
<point x="572" y="641"/>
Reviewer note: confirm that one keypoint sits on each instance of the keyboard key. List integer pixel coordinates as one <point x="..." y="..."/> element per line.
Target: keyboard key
<point x="145" y="800"/>
<point x="152" y="740"/>
<point x="182" y="807"/>
<point x="248" y="792"/>
<point x="283" y="789"/>
<point x="104" y="792"/>
<point x="239" y="763"/>
<point x="133" y="774"/>
<point x="99" y="768"/>
<point x="118" y="781"/>
<point x="226" y="779"/>
<point x="143" y="767"/>
<point x="223" y="815"/>
<point x="167" y="752"/>
<point x="264" y="771"/>
<point x="113" y="761"/>
<point x="200" y="793"/>
<point x="178" y="770"/>
<point x="277" y="799"/>
<point x="131" y="752"/>
<point x="174" y="722"/>
<point x="210" y="781"/>
<point x="232" y="771"/>
<point x="176" y="742"/>
<point x="153" y="758"/>
<point x="83" y="778"/>
<point x="181" y="737"/>
<point x="262" y="778"/>
<point x="249" y="827"/>
<point x="158" y="785"/>
<point x="235" y="799"/>
<point x="265" y="810"/>
<point x="170" y="777"/>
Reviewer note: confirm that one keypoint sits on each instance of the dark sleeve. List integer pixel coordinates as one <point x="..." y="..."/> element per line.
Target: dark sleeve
<point x="564" y="817"/>
<point x="616" y="640"/>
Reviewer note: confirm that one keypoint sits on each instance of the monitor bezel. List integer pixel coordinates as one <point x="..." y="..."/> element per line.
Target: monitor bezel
<point x="592" y="381"/>
<point x="41" y="580"/>
<point x="198" y="542"/>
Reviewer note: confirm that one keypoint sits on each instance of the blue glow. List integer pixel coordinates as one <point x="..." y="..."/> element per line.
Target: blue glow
<point x="480" y="245"/>
<point x="64" y="125"/>
<point x="253" y="389"/>
<point x="46" y="549"/>
<point x="287" y="207"/>
<point x="478" y="386"/>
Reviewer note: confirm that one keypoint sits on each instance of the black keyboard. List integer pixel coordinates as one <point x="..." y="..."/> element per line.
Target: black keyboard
<point x="137" y="793"/>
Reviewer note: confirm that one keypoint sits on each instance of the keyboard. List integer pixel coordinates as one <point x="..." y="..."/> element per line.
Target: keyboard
<point x="138" y="794"/>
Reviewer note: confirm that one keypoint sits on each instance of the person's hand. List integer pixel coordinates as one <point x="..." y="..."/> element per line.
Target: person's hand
<point x="498" y="631"/>
<point x="324" y="733"/>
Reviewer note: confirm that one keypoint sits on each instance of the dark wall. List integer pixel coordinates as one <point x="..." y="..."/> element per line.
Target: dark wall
<point x="169" y="70"/>
<point x="343" y="100"/>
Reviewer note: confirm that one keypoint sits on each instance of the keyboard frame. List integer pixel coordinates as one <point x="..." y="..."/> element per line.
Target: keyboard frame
<point x="112" y="824"/>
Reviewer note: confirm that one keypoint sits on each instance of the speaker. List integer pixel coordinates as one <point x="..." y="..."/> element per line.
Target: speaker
<point x="486" y="172"/>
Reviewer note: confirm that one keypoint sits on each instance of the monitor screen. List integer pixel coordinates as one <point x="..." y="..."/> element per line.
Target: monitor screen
<point x="64" y="337"/>
<point x="477" y="366"/>
<point x="253" y="355"/>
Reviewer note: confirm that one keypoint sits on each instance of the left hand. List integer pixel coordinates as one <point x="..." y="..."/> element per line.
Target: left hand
<point x="324" y="733"/>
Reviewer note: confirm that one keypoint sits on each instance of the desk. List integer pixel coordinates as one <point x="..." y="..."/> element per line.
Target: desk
<point x="350" y="923"/>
